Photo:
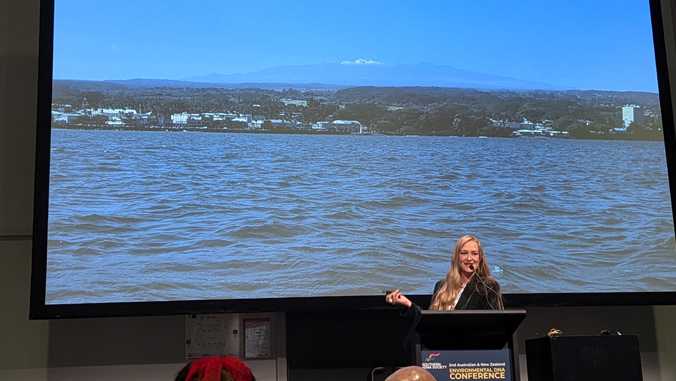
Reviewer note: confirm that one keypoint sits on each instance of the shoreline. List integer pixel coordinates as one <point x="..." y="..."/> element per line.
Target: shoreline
<point x="612" y="137"/>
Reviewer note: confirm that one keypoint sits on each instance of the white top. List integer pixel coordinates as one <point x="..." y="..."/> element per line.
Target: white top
<point x="457" y="297"/>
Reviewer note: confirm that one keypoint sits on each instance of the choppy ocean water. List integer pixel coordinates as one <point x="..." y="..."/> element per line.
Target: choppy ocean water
<point x="143" y="216"/>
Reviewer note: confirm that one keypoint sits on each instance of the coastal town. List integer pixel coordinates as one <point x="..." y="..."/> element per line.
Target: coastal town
<point x="64" y="116"/>
<point x="207" y="121"/>
<point x="375" y="111"/>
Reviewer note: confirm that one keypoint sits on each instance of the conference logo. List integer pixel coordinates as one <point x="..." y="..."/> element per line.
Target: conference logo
<point x="429" y="365"/>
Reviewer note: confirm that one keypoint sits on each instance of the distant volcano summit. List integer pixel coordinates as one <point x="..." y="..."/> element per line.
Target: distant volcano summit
<point x="373" y="73"/>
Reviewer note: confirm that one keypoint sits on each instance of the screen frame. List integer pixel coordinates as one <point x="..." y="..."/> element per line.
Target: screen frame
<point x="40" y="310"/>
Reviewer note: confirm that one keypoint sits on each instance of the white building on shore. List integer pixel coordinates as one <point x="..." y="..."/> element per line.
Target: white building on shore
<point x="632" y="114"/>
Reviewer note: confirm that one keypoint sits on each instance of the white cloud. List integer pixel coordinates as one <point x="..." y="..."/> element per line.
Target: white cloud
<point x="362" y="62"/>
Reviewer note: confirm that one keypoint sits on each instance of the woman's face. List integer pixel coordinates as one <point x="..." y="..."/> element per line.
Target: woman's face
<point x="469" y="256"/>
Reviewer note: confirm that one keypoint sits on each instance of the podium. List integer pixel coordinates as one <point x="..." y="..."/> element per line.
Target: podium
<point x="468" y="344"/>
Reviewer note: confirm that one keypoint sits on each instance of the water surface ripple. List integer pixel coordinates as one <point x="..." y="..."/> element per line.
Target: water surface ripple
<point x="143" y="216"/>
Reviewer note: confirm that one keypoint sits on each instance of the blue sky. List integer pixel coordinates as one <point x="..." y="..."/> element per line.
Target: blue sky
<point x="600" y="44"/>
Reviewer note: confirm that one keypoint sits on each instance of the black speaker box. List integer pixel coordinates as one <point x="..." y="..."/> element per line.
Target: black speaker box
<point x="581" y="358"/>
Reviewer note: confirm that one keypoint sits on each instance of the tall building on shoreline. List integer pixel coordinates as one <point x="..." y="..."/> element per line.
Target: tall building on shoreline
<point x="632" y="114"/>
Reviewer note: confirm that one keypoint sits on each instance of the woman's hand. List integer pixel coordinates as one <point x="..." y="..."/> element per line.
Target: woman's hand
<point x="395" y="298"/>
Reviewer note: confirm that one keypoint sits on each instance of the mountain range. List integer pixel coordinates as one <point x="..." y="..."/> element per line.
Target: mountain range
<point x="376" y="74"/>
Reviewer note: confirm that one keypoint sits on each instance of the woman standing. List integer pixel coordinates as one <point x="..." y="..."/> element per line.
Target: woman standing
<point x="468" y="285"/>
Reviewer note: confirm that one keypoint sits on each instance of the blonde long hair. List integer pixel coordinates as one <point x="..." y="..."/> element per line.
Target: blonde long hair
<point x="445" y="296"/>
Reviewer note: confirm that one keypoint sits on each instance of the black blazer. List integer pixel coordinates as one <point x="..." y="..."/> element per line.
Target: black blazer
<point x="486" y="299"/>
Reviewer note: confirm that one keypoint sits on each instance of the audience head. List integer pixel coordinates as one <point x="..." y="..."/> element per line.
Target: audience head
<point x="216" y="369"/>
<point x="411" y="373"/>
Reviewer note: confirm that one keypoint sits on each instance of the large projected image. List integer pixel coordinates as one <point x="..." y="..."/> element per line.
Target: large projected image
<point x="265" y="149"/>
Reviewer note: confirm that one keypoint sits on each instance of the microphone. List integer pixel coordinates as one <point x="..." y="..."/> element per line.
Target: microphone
<point x="471" y="267"/>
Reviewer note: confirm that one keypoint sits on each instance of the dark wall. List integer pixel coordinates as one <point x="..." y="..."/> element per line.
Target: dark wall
<point x="364" y="339"/>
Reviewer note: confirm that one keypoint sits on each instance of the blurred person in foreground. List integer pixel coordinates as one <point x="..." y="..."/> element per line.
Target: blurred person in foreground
<point x="411" y="373"/>
<point x="216" y="369"/>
